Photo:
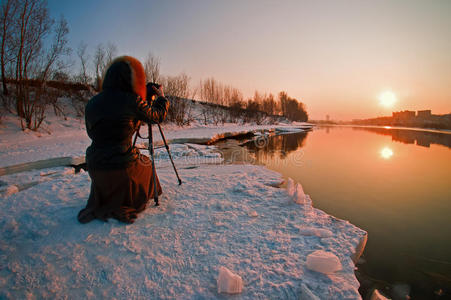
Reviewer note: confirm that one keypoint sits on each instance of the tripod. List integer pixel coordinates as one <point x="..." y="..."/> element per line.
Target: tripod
<point x="151" y="151"/>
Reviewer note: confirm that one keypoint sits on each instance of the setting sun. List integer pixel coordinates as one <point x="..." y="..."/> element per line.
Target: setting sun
<point x="387" y="99"/>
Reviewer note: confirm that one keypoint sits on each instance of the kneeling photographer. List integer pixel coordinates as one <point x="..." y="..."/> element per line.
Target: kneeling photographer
<point x="122" y="180"/>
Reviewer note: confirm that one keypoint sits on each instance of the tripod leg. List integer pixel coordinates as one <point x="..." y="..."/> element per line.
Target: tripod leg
<point x="169" y="153"/>
<point x="154" y="174"/>
<point x="136" y="136"/>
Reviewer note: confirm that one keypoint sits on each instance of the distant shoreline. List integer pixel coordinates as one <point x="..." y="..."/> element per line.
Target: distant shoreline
<point x="445" y="131"/>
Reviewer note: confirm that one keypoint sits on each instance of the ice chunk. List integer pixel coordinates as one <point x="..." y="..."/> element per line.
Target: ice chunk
<point x="309" y="212"/>
<point x="306" y="293"/>
<point x="8" y="191"/>
<point x="299" y="195"/>
<point x="377" y="296"/>
<point x="290" y="187"/>
<point x="228" y="282"/>
<point x="323" y="262"/>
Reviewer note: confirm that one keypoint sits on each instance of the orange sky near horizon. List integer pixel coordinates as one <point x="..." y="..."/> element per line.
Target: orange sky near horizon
<point x="337" y="57"/>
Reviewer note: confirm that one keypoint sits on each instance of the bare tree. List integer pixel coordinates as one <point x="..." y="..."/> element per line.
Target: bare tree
<point x="152" y="67"/>
<point x="269" y="104"/>
<point x="33" y="25"/>
<point x="177" y="90"/>
<point x="8" y="11"/>
<point x="99" y="61"/>
<point x="292" y="109"/>
<point x="28" y="28"/>
<point x="103" y="57"/>
<point x="83" y="76"/>
<point x="110" y="53"/>
<point x="58" y="48"/>
<point x="283" y="99"/>
<point x="212" y="91"/>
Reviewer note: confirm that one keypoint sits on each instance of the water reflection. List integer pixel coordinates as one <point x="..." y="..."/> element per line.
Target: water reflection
<point x="406" y="136"/>
<point x="279" y="146"/>
<point x="386" y="153"/>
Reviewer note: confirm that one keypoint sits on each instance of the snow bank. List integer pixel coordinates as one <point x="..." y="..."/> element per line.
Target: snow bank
<point x="222" y="216"/>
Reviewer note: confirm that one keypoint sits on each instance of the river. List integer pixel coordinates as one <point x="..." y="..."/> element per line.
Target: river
<point x="393" y="183"/>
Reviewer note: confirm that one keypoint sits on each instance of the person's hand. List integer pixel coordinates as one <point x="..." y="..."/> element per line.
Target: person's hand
<point x="159" y="91"/>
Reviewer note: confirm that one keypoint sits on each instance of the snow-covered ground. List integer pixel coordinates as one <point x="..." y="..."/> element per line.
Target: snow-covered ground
<point x="231" y="216"/>
<point x="222" y="215"/>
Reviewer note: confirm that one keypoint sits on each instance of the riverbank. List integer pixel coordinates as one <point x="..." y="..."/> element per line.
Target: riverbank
<point x="432" y="130"/>
<point x="222" y="215"/>
<point x="67" y="137"/>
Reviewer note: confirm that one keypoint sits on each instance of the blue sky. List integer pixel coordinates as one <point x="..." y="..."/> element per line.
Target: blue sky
<point x="335" y="56"/>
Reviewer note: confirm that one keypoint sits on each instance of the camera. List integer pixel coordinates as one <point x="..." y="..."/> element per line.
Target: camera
<point x="150" y="90"/>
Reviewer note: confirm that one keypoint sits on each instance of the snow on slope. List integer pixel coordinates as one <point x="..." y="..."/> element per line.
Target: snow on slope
<point x="175" y="250"/>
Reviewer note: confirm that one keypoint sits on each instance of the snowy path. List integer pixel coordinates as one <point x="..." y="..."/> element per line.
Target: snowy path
<point x="221" y="216"/>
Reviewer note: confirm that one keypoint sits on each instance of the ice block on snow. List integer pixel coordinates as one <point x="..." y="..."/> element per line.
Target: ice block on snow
<point x="323" y="262"/>
<point x="229" y="282"/>
<point x="299" y="195"/>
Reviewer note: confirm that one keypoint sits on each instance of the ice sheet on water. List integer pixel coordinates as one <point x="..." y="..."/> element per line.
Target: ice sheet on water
<point x="228" y="282"/>
<point x="323" y="262"/>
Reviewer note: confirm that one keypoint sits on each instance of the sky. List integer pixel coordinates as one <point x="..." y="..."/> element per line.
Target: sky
<point x="337" y="57"/>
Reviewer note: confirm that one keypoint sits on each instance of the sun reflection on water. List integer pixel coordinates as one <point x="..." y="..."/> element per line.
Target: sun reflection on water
<point x="386" y="153"/>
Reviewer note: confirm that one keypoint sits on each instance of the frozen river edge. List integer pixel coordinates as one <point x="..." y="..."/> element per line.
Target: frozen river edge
<point x="223" y="215"/>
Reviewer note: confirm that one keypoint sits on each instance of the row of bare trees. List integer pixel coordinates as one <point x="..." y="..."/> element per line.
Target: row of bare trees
<point x="256" y="108"/>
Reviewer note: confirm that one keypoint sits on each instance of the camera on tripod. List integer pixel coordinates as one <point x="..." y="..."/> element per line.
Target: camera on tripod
<point x="150" y="91"/>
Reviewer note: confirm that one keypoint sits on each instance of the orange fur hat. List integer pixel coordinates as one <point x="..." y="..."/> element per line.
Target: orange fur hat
<point x="126" y="73"/>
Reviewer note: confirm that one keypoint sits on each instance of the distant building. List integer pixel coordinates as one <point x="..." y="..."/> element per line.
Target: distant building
<point x="424" y="114"/>
<point x="421" y="119"/>
<point x="403" y="115"/>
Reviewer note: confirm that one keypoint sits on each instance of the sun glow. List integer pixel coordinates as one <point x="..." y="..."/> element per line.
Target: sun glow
<point x="386" y="153"/>
<point x="387" y="99"/>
